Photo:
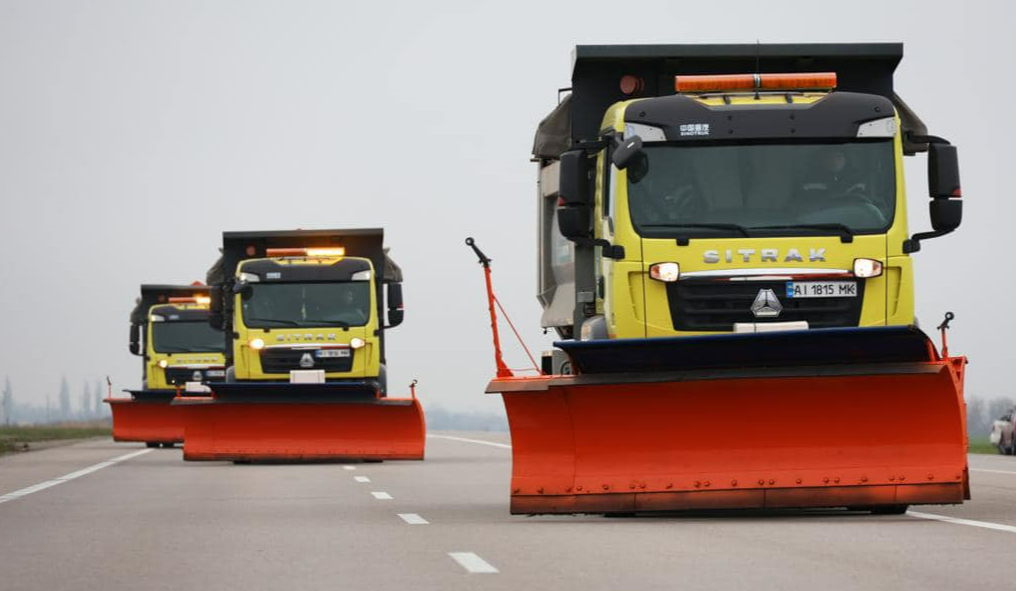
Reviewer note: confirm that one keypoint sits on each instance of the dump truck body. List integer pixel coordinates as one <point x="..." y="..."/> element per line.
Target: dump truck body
<point x="170" y="331"/>
<point x="302" y="313"/>
<point x="716" y="224"/>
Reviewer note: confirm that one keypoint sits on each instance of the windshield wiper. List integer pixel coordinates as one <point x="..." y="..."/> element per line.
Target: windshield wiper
<point x="684" y="240"/>
<point x="846" y="235"/>
<point x="279" y="320"/>
<point x="171" y="349"/>
<point x="323" y="322"/>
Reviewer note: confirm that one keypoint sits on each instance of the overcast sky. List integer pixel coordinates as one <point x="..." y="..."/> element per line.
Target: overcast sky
<point x="133" y="133"/>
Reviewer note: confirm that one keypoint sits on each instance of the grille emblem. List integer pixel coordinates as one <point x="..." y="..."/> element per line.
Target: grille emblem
<point x="766" y="304"/>
<point x="196" y="376"/>
<point x="306" y="360"/>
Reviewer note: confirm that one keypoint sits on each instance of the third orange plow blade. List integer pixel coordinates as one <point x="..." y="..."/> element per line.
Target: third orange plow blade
<point x="298" y="422"/>
<point x="867" y="418"/>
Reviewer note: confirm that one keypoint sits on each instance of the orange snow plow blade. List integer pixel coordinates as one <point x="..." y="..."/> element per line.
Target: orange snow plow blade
<point x="299" y="422"/>
<point x="860" y="418"/>
<point x="147" y="416"/>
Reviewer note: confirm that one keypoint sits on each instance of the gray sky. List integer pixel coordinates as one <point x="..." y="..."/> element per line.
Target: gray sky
<point x="133" y="133"/>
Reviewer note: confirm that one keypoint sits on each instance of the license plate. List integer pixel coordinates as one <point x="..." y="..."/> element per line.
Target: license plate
<point x="332" y="353"/>
<point x="822" y="289"/>
<point x="215" y="373"/>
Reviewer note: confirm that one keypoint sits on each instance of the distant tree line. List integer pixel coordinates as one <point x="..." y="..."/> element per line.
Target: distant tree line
<point x="982" y="412"/>
<point x="441" y="419"/>
<point x="90" y="405"/>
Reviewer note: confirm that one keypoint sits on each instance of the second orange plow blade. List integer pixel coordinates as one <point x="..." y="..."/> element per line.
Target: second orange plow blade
<point x="299" y="423"/>
<point x="862" y="433"/>
<point x="147" y="416"/>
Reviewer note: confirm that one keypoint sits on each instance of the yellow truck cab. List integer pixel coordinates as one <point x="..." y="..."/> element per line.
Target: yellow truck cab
<point x="691" y="190"/>
<point x="305" y="306"/>
<point x="170" y="331"/>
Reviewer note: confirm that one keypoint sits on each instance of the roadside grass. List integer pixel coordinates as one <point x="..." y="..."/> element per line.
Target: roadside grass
<point x="981" y="446"/>
<point x="16" y="438"/>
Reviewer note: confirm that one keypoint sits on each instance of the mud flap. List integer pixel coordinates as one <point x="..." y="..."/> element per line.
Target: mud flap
<point x="878" y="420"/>
<point x="300" y="422"/>
<point x="146" y="416"/>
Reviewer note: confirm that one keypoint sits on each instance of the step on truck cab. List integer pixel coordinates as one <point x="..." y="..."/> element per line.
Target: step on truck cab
<point x="304" y="315"/>
<point x="179" y="350"/>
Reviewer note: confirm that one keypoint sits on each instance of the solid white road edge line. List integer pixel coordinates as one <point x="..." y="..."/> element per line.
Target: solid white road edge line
<point x="958" y="521"/>
<point x="472" y="563"/>
<point x="991" y="471"/>
<point x="68" y="477"/>
<point x="480" y="441"/>
<point x="413" y="519"/>
<point x="382" y="496"/>
<point x="361" y="479"/>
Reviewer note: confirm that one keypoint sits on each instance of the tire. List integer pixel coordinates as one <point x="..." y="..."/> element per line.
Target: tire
<point x="151" y="444"/>
<point x="889" y="510"/>
<point x="383" y="380"/>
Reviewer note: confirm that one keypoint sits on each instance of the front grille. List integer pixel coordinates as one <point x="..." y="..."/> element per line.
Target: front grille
<point x="178" y="376"/>
<point x="283" y="360"/>
<point x="703" y="305"/>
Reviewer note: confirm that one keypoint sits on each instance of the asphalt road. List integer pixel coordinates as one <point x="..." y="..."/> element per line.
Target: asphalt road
<point x="70" y="519"/>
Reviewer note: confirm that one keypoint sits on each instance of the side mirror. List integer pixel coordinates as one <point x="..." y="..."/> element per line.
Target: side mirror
<point x="242" y="287"/>
<point x="627" y="152"/>
<point x="945" y="214"/>
<point x="574" y="222"/>
<point x="215" y="314"/>
<point x="944" y="174"/>
<point x="394" y="297"/>
<point x="135" y="339"/>
<point x="574" y="178"/>
<point x="945" y="209"/>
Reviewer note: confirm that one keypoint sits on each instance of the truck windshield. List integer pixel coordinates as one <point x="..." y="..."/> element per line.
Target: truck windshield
<point x="186" y="337"/>
<point x="764" y="188"/>
<point x="275" y="305"/>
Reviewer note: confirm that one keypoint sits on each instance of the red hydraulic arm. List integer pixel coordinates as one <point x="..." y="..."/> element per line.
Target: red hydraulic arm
<point x="503" y="370"/>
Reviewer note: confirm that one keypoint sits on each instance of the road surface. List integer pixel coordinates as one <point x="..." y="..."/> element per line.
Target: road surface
<point x="110" y="517"/>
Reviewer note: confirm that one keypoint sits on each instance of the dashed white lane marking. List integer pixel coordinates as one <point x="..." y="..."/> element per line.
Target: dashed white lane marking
<point x="472" y="563"/>
<point x="361" y="479"/>
<point x="991" y="471"/>
<point x="68" y="477"/>
<point x="413" y="519"/>
<point x="479" y="441"/>
<point x="985" y="524"/>
<point x="382" y="496"/>
<point x="349" y="467"/>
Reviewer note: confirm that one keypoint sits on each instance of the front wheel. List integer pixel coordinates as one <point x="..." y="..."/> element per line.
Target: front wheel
<point x="151" y="444"/>
<point x="889" y="510"/>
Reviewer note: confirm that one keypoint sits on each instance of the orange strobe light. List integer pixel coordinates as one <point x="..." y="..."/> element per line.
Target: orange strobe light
<point x="743" y="82"/>
<point x="309" y="252"/>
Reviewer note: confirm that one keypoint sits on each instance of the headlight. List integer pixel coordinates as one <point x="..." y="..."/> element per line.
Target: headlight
<point x="866" y="268"/>
<point x="357" y="342"/>
<point x="256" y="344"/>
<point x="163" y="363"/>
<point x="666" y="272"/>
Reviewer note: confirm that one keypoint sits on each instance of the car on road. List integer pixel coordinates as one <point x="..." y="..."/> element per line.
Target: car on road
<point x="1003" y="434"/>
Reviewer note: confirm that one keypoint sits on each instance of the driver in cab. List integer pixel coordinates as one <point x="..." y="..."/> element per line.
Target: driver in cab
<point x="830" y="177"/>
